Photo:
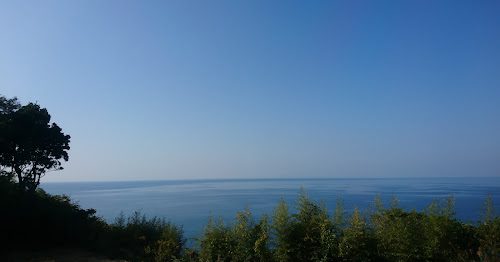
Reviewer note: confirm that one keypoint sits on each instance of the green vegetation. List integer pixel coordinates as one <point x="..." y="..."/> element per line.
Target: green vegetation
<point x="34" y="221"/>
<point x="29" y="144"/>
<point x="37" y="221"/>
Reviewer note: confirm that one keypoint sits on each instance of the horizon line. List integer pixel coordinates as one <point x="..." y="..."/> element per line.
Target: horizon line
<point x="261" y="178"/>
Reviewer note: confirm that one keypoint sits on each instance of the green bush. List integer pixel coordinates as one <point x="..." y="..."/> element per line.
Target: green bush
<point x="246" y="240"/>
<point x="36" y="220"/>
<point x="217" y="243"/>
<point x="140" y="238"/>
<point x="488" y="234"/>
<point x="356" y="244"/>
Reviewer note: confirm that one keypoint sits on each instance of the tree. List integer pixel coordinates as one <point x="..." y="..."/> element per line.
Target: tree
<point x="29" y="144"/>
<point x="8" y="105"/>
<point x="489" y="233"/>
<point x="217" y="242"/>
<point x="251" y="239"/>
<point x="281" y="230"/>
<point x="355" y="243"/>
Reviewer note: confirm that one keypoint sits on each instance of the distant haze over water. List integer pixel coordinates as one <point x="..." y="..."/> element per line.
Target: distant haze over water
<point x="191" y="202"/>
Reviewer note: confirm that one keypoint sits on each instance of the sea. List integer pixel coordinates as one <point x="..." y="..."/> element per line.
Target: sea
<point x="190" y="203"/>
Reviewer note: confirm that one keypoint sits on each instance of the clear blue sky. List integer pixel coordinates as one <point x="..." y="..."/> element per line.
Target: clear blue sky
<point x="247" y="89"/>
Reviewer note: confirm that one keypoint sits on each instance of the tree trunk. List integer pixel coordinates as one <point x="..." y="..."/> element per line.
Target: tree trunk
<point x="20" y="179"/>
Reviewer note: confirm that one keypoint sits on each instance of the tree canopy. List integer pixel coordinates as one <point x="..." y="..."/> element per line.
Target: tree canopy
<point x="30" y="145"/>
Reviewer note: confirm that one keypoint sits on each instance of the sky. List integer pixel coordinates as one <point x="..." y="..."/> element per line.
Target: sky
<point x="261" y="89"/>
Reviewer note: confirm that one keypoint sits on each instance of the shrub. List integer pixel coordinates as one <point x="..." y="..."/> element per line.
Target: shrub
<point x="356" y="241"/>
<point x="138" y="237"/>
<point x="217" y="242"/>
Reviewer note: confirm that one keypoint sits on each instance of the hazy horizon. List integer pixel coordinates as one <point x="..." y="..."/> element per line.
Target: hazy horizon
<point x="263" y="179"/>
<point x="223" y="90"/>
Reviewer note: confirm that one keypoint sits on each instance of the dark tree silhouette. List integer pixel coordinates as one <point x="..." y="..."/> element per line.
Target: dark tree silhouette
<point x="29" y="144"/>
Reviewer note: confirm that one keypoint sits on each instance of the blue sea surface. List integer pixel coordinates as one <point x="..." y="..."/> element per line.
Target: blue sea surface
<point x="190" y="203"/>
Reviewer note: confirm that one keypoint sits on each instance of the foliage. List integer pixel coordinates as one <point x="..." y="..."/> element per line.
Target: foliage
<point x="216" y="243"/>
<point x="29" y="144"/>
<point x="37" y="221"/>
<point x="384" y="234"/>
<point x="488" y="233"/>
<point x="246" y="240"/>
<point x="138" y="237"/>
<point x="311" y="236"/>
<point x="356" y="240"/>
<point x="280" y="228"/>
<point x="251" y="239"/>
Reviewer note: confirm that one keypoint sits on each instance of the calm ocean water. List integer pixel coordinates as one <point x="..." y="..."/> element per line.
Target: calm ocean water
<point x="190" y="203"/>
